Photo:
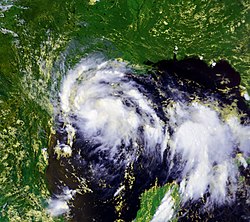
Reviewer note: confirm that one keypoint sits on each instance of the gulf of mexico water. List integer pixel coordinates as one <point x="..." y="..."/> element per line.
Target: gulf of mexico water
<point x="41" y="40"/>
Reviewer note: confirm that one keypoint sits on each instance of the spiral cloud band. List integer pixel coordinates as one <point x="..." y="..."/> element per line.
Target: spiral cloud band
<point x="118" y="133"/>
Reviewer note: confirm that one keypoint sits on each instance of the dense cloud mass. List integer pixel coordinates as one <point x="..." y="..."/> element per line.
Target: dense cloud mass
<point x="117" y="133"/>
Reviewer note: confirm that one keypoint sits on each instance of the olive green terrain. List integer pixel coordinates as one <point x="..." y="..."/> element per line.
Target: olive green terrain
<point x="41" y="39"/>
